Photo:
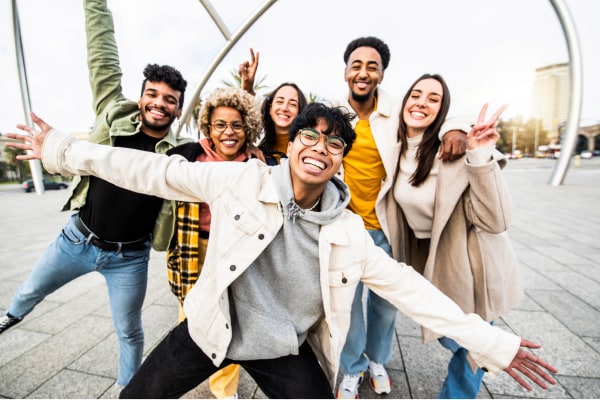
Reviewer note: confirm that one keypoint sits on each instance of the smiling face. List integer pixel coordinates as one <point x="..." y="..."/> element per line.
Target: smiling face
<point x="363" y="73"/>
<point x="422" y="106"/>
<point x="159" y="106"/>
<point x="284" y="108"/>
<point x="229" y="143"/>
<point x="312" y="167"/>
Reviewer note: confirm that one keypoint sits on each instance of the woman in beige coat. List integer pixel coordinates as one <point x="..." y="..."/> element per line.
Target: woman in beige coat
<point x="452" y="219"/>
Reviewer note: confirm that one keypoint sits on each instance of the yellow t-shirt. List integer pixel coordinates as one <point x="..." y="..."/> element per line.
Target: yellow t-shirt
<point x="363" y="173"/>
<point x="281" y="143"/>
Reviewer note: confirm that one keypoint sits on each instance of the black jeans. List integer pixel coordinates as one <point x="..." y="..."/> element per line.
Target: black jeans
<point x="177" y="365"/>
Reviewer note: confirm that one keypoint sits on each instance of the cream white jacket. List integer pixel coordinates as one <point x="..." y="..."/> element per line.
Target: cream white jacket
<point x="246" y="216"/>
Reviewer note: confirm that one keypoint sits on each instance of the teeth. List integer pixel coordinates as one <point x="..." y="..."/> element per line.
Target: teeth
<point x="417" y="114"/>
<point x="314" y="163"/>
<point x="157" y="112"/>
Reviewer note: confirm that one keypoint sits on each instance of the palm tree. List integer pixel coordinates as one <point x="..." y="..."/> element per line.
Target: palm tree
<point x="237" y="81"/>
<point x="314" y="98"/>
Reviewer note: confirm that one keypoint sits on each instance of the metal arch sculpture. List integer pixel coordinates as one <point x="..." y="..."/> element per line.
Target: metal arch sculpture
<point x="231" y="41"/>
<point x="559" y="6"/>
<point x="576" y="75"/>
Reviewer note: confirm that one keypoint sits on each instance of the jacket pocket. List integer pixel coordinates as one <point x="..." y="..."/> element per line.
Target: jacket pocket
<point x="342" y="286"/>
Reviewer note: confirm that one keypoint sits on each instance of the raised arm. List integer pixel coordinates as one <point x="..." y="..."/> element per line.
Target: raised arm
<point x="102" y="54"/>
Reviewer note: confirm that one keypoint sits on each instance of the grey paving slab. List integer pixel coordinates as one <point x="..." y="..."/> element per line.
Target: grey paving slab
<point x="577" y="315"/>
<point x="580" y="388"/>
<point x="72" y="385"/>
<point x="27" y="372"/>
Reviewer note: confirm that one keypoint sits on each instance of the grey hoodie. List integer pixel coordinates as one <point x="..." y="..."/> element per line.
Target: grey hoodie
<point x="276" y="301"/>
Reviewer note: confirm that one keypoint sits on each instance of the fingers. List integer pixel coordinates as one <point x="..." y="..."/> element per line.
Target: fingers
<point x="497" y="114"/>
<point x="519" y="380"/>
<point x="482" y="113"/>
<point x="493" y="119"/>
<point x="44" y="127"/>
<point x="529" y="344"/>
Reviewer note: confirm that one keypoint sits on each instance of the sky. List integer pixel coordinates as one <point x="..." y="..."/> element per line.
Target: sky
<point x="487" y="50"/>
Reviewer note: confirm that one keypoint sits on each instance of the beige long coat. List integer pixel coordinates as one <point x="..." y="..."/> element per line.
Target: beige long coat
<point x="471" y="258"/>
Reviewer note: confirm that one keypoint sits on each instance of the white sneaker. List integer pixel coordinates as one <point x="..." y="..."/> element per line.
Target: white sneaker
<point x="379" y="379"/>
<point x="348" y="388"/>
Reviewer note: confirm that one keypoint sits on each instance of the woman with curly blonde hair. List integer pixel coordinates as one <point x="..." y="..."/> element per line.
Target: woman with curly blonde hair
<point x="230" y="123"/>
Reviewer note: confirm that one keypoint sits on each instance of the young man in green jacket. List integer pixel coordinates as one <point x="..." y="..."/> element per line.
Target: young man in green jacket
<point x="111" y="228"/>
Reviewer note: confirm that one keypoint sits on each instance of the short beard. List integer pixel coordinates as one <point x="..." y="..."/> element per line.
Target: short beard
<point x="155" y="127"/>
<point x="360" y="98"/>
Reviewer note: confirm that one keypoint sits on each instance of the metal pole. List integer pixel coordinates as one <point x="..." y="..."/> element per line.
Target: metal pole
<point x="34" y="165"/>
<point x="231" y="41"/>
<point x="572" y="125"/>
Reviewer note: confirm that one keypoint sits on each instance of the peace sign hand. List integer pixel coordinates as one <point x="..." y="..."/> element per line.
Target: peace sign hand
<point x="484" y="133"/>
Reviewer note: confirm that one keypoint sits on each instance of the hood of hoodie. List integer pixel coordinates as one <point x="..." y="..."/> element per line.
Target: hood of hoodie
<point x="334" y="200"/>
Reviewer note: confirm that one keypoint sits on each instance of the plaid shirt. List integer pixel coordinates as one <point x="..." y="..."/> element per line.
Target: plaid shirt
<point x="186" y="252"/>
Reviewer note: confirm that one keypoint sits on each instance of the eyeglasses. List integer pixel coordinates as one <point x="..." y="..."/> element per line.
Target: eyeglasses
<point x="310" y="137"/>
<point x="220" y="126"/>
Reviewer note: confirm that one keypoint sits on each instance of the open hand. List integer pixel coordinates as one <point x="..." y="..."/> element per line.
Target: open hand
<point x="32" y="141"/>
<point x="531" y="366"/>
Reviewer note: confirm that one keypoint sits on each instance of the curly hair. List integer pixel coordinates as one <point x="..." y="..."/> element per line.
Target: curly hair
<point x="168" y="75"/>
<point x="370" y="41"/>
<point x="234" y="98"/>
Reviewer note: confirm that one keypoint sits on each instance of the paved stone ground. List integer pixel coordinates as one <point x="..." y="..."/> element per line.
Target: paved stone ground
<point x="66" y="348"/>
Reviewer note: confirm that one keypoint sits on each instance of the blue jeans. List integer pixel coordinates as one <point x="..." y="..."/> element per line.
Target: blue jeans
<point x="126" y="275"/>
<point x="177" y="365"/>
<point x="371" y="340"/>
<point x="461" y="382"/>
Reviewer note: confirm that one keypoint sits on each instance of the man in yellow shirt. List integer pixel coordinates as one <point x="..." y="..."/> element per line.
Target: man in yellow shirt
<point x="368" y="170"/>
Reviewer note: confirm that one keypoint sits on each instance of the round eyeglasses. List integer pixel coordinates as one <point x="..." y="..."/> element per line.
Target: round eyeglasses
<point x="220" y="126"/>
<point x="310" y="137"/>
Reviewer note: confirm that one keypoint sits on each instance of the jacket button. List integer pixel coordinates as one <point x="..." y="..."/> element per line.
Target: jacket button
<point x="484" y="369"/>
<point x="261" y="236"/>
<point x="344" y="280"/>
<point x="237" y="217"/>
<point x="226" y="326"/>
<point x="213" y="355"/>
<point x="232" y="267"/>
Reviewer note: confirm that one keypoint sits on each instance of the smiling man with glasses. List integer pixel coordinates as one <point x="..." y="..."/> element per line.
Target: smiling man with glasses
<point x="282" y="265"/>
<point x="310" y="137"/>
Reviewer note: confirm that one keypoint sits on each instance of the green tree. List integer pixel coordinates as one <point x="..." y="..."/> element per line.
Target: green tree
<point x="20" y="168"/>
<point x="314" y="98"/>
<point x="525" y="134"/>
<point x="237" y="81"/>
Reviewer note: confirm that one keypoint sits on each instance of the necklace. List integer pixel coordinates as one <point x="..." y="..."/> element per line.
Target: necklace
<point x="314" y="205"/>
